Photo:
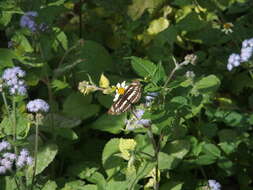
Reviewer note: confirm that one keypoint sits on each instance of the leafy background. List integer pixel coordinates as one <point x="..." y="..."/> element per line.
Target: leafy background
<point x="205" y="122"/>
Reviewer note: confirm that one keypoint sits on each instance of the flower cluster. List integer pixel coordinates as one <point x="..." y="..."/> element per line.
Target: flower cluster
<point x="235" y="60"/>
<point x="150" y="98"/>
<point x="37" y="105"/>
<point x="8" y="159"/>
<point x="214" y="185"/>
<point x="28" y="21"/>
<point x="137" y="121"/>
<point x="12" y="79"/>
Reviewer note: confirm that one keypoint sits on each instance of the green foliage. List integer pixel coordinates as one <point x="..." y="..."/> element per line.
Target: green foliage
<point x="196" y="123"/>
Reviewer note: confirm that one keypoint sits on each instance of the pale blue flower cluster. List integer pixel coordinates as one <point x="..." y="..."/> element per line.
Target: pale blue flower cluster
<point x="37" y="105"/>
<point x="8" y="159"/>
<point x="12" y="78"/>
<point x="137" y="122"/>
<point x="150" y="98"/>
<point x="214" y="185"/>
<point x="28" y="21"/>
<point x="235" y="60"/>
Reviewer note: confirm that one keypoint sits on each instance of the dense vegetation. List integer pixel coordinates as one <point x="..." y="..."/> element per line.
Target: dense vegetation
<point x="65" y="63"/>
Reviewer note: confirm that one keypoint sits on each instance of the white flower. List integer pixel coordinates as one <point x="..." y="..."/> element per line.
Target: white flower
<point x="120" y="90"/>
<point x="214" y="185"/>
<point x="227" y="28"/>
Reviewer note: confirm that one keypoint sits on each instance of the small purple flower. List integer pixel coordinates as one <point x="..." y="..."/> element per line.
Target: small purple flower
<point x="24" y="152"/>
<point x="2" y="170"/>
<point x="12" y="79"/>
<point x="28" y="20"/>
<point x="37" y="105"/>
<point x="214" y="185"/>
<point x="145" y="122"/>
<point x="21" y="161"/>
<point x="10" y="156"/>
<point x="247" y="43"/>
<point x="29" y="160"/>
<point x="137" y="121"/>
<point x="4" y="145"/>
<point x="6" y="163"/>
<point x="246" y="53"/>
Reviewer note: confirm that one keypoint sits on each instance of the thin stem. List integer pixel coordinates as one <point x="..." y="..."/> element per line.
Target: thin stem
<point x="80" y="20"/>
<point x="14" y="123"/>
<point x="156" y="150"/>
<point x="35" y="150"/>
<point x="177" y="66"/>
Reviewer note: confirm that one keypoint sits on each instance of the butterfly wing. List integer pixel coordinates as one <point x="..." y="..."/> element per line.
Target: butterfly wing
<point x="131" y="95"/>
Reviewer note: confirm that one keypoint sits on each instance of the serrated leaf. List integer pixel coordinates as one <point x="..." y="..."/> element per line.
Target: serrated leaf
<point x="172" y="185"/>
<point x="61" y="39"/>
<point x="74" y="185"/>
<point x="143" y="67"/>
<point x="7" y="57"/>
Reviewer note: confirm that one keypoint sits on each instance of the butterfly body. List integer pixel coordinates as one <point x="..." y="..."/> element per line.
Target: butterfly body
<point x="131" y="96"/>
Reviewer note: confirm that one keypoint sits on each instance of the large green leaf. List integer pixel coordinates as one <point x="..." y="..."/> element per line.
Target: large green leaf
<point x="96" y="60"/>
<point x="112" y="163"/>
<point x="177" y="148"/>
<point x="78" y="105"/>
<point x="143" y="67"/>
<point x="110" y="123"/>
<point x="207" y="84"/>
<point x="46" y="155"/>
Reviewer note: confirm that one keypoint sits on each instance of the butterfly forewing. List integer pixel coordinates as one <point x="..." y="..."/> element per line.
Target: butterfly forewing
<point x="131" y="96"/>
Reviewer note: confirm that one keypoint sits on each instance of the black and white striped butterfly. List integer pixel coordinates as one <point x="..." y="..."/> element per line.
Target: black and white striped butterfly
<point x="131" y="96"/>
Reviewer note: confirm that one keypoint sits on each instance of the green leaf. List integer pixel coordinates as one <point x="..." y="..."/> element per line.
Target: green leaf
<point x="66" y="133"/>
<point x="190" y="23"/>
<point x="143" y="67"/>
<point x="112" y="163"/>
<point x="172" y="185"/>
<point x="78" y="105"/>
<point x="212" y="149"/>
<point x="23" y="125"/>
<point x="138" y="7"/>
<point x="90" y="187"/>
<point x="119" y="185"/>
<point x="46" y="155"/>
<point x="177" y="148"/>
<point x="166" y="161"/>
<point x="159" y="74"/>
<point x="61" y="121"/>
<point x="7" y="57"/>
<point x="205" y="160"/>
<point x="23" y="43"/>
<point x="59" y="85"/>
<point x="207" y="84"/>
<point x="94" y="64"/>
<point x="50" y="185"/>
<point x="7" y="183"/>
<point x="110" y="123"/>
<point x="157" y="26"/>
<point x="76" y="185"/>
<point x="61" y="39"/>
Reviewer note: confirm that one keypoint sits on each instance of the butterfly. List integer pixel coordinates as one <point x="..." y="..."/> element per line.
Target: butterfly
<point x="131" y="96"/>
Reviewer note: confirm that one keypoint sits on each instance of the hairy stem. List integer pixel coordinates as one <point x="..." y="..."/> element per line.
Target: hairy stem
<point x="35" y="151"/>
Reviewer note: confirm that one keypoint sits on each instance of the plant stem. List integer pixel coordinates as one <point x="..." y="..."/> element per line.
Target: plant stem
<point x="14" y="124"/>
<point x="156" y="150"/>
<point x="35" y="150"/>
